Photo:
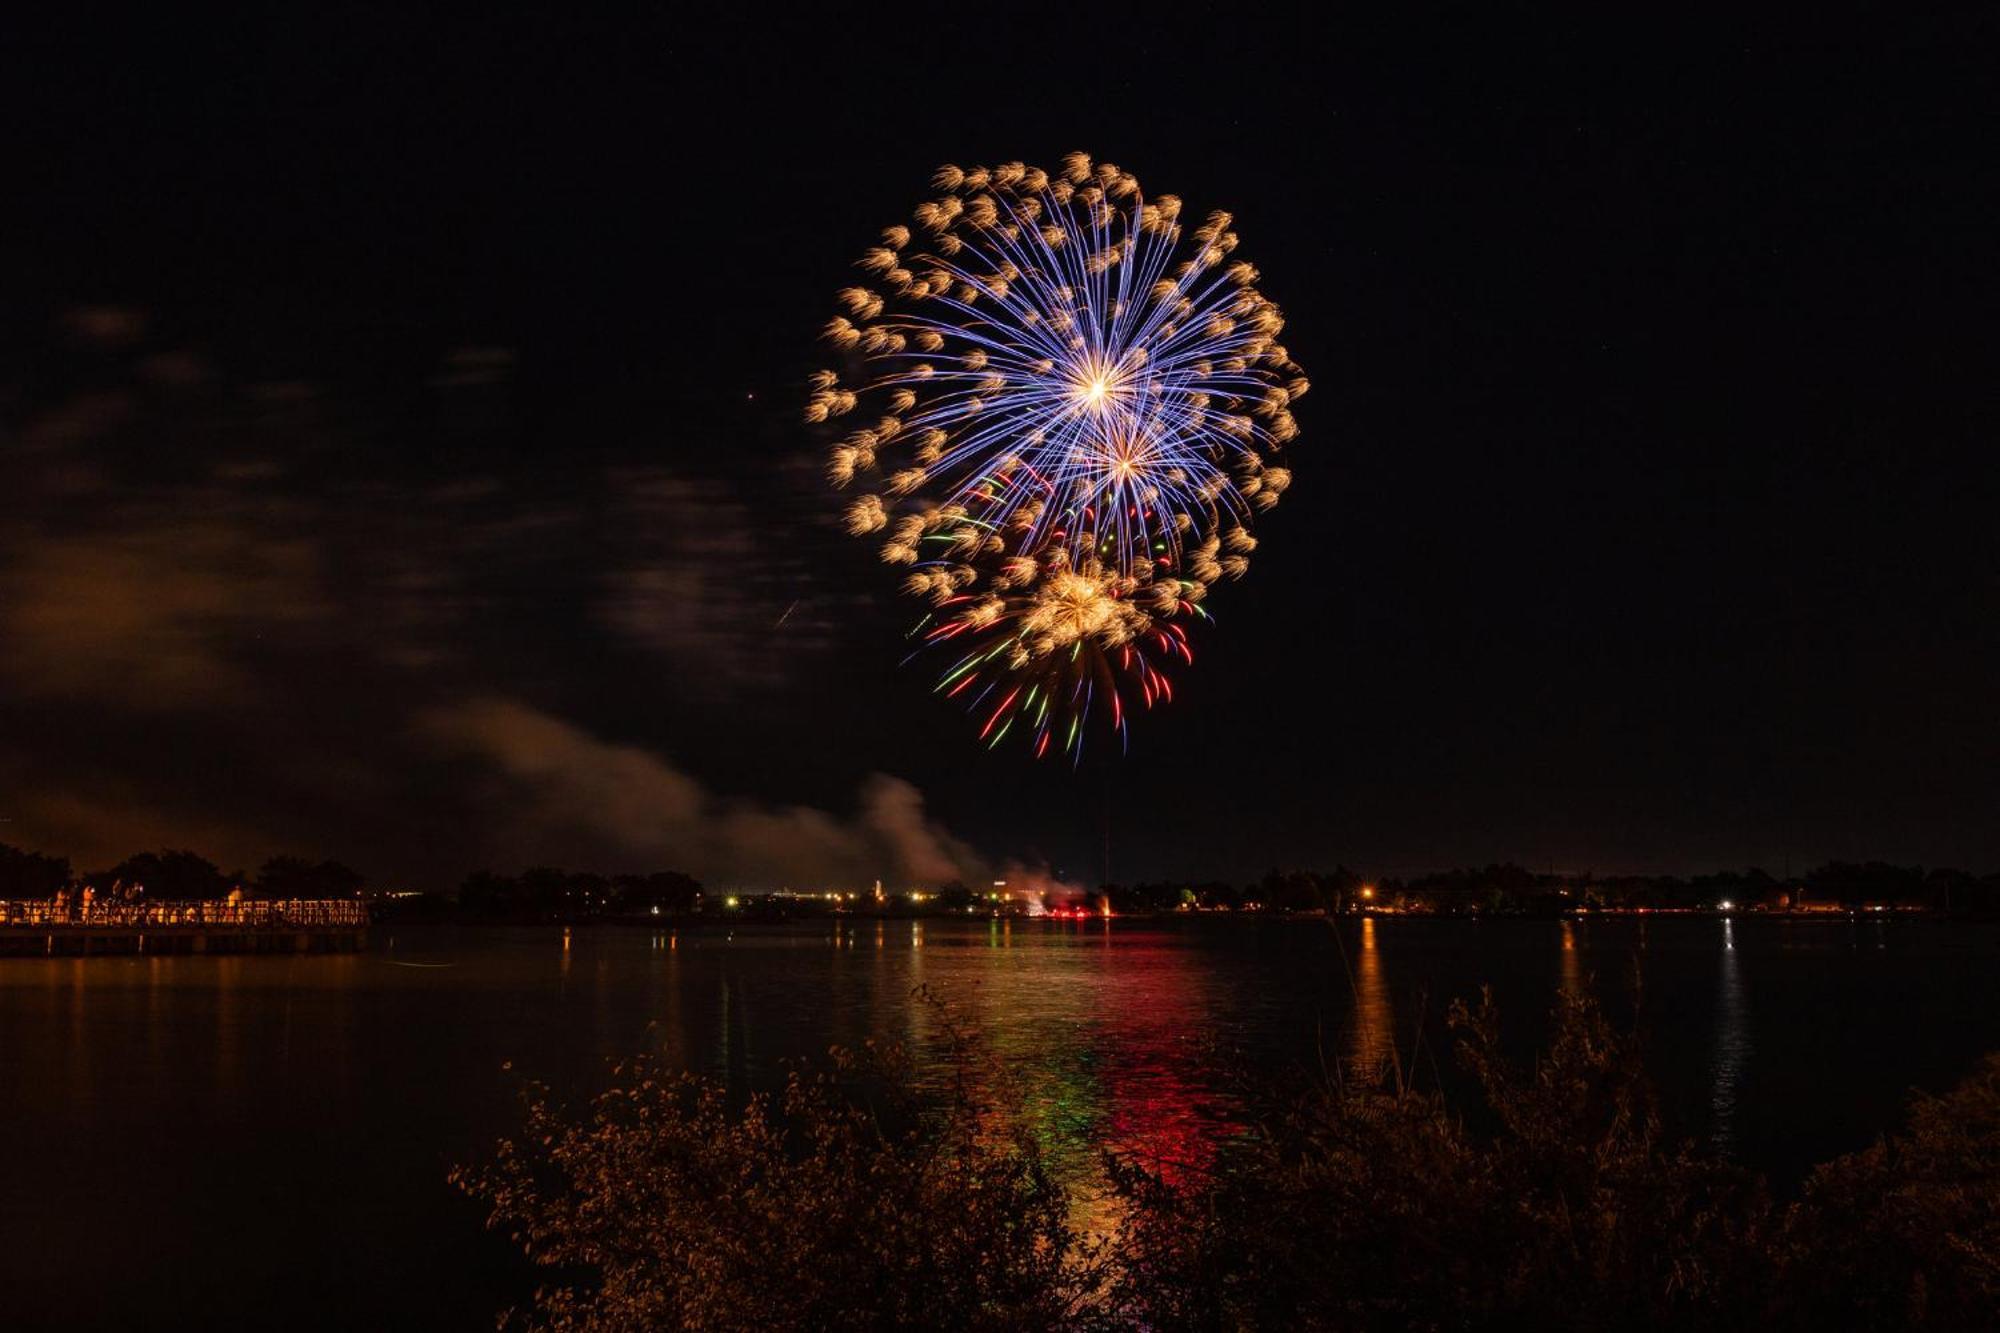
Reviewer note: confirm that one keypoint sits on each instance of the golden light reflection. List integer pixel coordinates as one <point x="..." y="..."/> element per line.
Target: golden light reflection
<point x="229" y="1026"/>
<point x="664" y="1000"/>
<point x="1572" y="962"/>
<point x="1374" y="1037"/>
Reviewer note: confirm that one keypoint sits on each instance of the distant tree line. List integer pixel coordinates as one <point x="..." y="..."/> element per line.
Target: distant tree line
<point x="1509" y="889"/>
<point x="537" y="894"/>
<point x="176" y="875"/>
<point x="547" y="894"/>
<point x="544" y="893"/>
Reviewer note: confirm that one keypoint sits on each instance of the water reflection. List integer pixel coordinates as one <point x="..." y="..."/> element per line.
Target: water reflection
<point x="1732" y="1042"/>
<point x="1572" y="961"/>
<point x="1373" y="1042"/>
<point x="1087" y="1059"/>
<point x="723" y="1048"/>
<point x="230" y="1021"/>
<point x="80" y="1069"/>
<point x="390" y="1065"/>
<point x="669" y="1022"/>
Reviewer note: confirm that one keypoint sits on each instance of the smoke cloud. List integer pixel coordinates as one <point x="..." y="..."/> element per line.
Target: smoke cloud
<point x="580" y="799"/>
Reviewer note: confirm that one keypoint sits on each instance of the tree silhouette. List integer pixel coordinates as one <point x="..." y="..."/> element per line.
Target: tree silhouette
<point x="669" y="890"/>
<point x="166" y="874"/>
<point x="30" y="874"/>
<point x="296" y="877"/>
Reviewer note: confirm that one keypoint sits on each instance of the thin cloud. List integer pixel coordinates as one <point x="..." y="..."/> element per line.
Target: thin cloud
<point x="152" y="616"/>
<point x="707" y="582"/>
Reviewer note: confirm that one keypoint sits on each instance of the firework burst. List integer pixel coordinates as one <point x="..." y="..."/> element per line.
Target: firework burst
<point x="1061" y="407"/>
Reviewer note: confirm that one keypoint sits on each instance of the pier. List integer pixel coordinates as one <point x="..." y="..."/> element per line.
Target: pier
<point x="50" y="928"/>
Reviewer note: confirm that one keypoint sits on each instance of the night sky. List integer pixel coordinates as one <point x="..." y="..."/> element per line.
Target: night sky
<point x="399" y="420"/>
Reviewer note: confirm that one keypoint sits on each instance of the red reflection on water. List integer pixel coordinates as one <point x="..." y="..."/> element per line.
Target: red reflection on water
<point x="1161" y="1106"/>
<point x="1125" y="1068"/>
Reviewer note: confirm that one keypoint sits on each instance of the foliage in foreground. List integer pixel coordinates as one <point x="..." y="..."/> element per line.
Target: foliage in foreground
<point x="1556" y="1201"/>
<point x="818" y="1208"/>
<point x="1374" y="1206"/>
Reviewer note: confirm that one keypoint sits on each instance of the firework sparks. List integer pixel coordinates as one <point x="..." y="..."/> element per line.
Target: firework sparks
<point x="1066" y="407"/>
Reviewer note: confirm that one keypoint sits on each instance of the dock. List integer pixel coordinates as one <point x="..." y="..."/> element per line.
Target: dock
<point x="43" y="928"/>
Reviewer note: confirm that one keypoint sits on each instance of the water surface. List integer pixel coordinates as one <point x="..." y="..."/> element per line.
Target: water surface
<point x="263" y="1140"/>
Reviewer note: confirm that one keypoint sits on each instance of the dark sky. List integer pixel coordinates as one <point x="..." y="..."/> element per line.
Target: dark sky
<point x="399" y="419"/>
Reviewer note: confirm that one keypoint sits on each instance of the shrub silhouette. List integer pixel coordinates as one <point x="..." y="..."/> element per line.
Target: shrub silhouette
<point x="1906" y="1233"/>
<point x="1553" y="1200"/>
<point x="842" y="1202"/>
<point x="1370" y="1204"/>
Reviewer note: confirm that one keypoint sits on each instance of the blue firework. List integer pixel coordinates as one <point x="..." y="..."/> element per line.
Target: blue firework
<point x="1052" y="382"/>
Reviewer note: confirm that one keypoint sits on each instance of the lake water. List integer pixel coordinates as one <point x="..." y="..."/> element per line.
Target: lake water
<point x="263" y="1141"/>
